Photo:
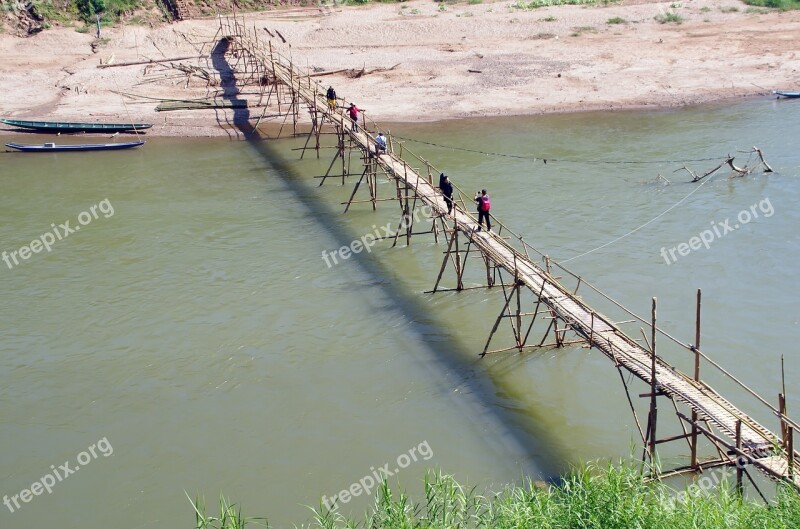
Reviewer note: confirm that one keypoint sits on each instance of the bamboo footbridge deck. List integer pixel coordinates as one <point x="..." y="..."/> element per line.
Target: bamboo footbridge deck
<point x="739" y="440"/>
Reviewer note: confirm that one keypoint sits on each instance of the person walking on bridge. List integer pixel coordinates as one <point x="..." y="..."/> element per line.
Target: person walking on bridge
<point x="353" y="111"/>
<point x="331" y="95"/>
<point x="482" y="200"/>
<point x="447" y="191"/>
<point x="380" y="144"/>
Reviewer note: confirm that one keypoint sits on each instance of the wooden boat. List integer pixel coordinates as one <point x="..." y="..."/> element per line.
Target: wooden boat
<point x="52" y="147"/>
<point x="59" y="126"/>
<point x="783" y="93"/>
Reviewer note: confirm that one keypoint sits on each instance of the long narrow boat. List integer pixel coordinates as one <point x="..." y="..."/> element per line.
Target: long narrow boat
<point x="60" y="126"/>
<point x="52" y="147"/>
<point x="784" y="93"/>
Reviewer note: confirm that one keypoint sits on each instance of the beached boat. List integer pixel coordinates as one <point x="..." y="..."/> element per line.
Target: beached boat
<point x="62" y="126"/>
<point x="783" y="93"/>
<point x="52" y="147"/>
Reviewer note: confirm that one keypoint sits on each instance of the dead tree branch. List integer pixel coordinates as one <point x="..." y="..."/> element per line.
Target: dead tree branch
<point x="767" y="168"/>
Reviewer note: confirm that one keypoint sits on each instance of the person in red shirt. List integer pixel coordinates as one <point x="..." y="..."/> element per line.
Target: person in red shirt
<point x="482" y="200"/>
<point x="353" y="110"/>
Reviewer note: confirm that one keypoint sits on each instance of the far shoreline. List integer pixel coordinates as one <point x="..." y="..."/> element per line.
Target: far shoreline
<point x="466" y="61"/>
<point x="269" y="130"/>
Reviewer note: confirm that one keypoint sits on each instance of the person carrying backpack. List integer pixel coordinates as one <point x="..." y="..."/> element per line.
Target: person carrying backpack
<point x="331" y="95"/>
<point x="484" y="205"/>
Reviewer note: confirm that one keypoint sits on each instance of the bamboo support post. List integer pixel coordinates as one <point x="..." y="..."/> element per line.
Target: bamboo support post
<point x="790" y="452"/>
<point x="695" y="431"/>
<point x="459" y="270"/>
<point x="739" y="460"/>
<point x="653" y="404"/>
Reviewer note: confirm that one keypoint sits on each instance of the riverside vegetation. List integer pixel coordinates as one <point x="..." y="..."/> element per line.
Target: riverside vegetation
<point x="66" y="12"/>
<point x="591" y="497"/>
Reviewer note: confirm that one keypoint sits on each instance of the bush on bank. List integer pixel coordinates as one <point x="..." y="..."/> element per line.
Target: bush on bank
<point x="783" y="5"/>
<point x="588" y="498"/>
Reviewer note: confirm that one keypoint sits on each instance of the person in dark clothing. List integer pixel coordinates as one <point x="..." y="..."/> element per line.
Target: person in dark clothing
<point x="447" y="191"/>
<point x="331" y="95"/>
<point x="482" y="200"/>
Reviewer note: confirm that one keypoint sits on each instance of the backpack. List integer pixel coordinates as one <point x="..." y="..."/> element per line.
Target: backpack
<point x="485" y="204"/>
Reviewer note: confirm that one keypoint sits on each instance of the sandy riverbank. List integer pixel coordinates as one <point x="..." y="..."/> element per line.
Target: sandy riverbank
<point x="463" y="61"/>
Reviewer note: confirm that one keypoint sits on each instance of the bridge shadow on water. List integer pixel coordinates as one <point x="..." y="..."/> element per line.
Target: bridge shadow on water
<point x="543" y="457"/>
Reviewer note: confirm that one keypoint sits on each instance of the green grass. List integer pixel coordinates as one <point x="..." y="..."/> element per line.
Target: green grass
<point x="591" y="497"/>
<point x="669" y="17"/>
<point x="616" y="20"/>
<point x="57" y="11"/>
<point x="783" y="5"/>
<point x="729" y="9"/>
<point x="549" y="18"/>
<point x="230" y="516"/>
<point x="66" y="12"/>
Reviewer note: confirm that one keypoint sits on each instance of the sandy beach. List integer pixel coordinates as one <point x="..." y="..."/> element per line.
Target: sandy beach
<point x="423" y="61"/>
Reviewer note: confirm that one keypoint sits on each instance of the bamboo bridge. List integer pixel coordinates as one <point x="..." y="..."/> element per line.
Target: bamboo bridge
<point x="737" y="439"/>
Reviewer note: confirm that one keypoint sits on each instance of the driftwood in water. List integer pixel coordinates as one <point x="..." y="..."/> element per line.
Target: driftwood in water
<point x="742" y="171"/>
<point x="767" y="168"/>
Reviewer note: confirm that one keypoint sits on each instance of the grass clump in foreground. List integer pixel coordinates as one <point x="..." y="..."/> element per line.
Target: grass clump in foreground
<point x="230" y="516"/>
<point x="590" y="497"/>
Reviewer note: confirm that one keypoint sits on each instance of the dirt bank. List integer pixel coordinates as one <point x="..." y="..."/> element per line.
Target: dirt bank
<point x="451" y="60"/>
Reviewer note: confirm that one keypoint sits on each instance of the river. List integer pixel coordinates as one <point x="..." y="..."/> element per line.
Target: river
<point x="190" y="338"/>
